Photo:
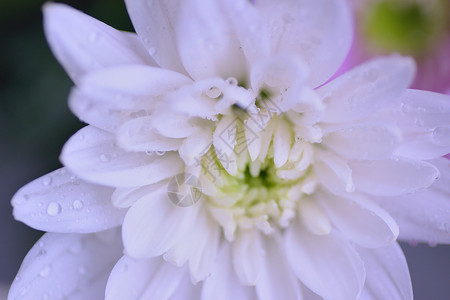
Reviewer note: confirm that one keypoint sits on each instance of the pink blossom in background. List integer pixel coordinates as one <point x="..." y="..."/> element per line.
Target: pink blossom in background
<point x="431" y="51"/>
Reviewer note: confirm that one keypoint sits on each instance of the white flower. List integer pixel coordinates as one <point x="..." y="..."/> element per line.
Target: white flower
<point x="292" y="184"/>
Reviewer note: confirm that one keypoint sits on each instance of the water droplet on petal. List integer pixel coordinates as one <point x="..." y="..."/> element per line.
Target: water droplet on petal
<point x="152" y="51"/>
<point x="232" y="81"/>
<point x="105" y="157"/>
<point x="160" y="153"/>
<point x="24" y="290"/>
<point x="53" y="209"/>
<point x="47" y="180"/>
<point x="78" y="204"/>
<point x="441" y="136"/>
<point x="45" y="271"/>
<point x="214" y="93"/>
<point x="149" y="153"/>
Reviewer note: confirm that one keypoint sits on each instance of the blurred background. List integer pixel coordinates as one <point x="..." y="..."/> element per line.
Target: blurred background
<point x="35" y="120"/>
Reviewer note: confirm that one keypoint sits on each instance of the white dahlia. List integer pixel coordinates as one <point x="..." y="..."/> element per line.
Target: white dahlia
<point x="235" y="167"/>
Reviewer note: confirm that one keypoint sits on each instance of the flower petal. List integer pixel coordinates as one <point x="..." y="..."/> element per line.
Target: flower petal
<point x="69" y="266"/>
<point x="143" y="279"/>
<point x="327" y="264"/>
<point x="248" y="24"/>
<point x="130" y="86"/>
<point x="277" y="280"/>
<point x="423" y="215"/>
<point x="223" y="284"/>
<point x="140" y="135"/>
<point x="387" y="274"/>
<point x="392" y="177"/>
<point x="310" y="29"/>
<point x="60" y="202"/>
<point x="97" y="114"/>
<point x="360" y="220"/>
<point x="366" y="89"/>
<point x="93" y="155"/>
<point x="82" y="44"/>
<point x="154" y="224"/>
<point x="154" y="22"/>
<point x="364" y="141"/>
<point x="207" y="45"/>
<point x="195" y="146"/>
<point x="333" y="172"/>
<point x="247" y="251"/>
<point x="282" y="142"/>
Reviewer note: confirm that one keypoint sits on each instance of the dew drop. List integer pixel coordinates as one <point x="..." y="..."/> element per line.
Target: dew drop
<point x="25" y="290"/>
<point x="152" y="51"/>
<point x="45" y="271"/>
<point x="441" y="136"/>
<point x="105" y="157"/>
<point x="418" y="122"/>
<point x="47" y="180"/>
<point x="214" y="93"/>
<point x="77" y="204"/>
<point x="53" y="209"/>
<point x="149" y="153"/>
<point x="232" y="81"/>
<point x="160" y="153"/>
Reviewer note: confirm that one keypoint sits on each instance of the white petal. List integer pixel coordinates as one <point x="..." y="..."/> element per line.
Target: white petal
<point x="98" y="114"/>
<point x="82" y="44"/>
<point x="419" y="111"/>
<point x="364" y="141"/>
<point x="366" y="89"/>
<point x="195" y="146"/>
<point x="60" y="202"/>
<point x="328" y="265"/>
<point x="126" y="197"/>
<point x="392" y="177"/>
<point x="277" y="279"/>
<point x="224" y="141"/>
<point x="140" y="135"/>
<point x="143" y="279"/>
<point x="313" y="216"/>
<point x="206" y="248"/>
<point x="223" y="284"/>
<point x="130" y="86"/>
<point x="424" y="215"/>
<point x="310" y="29"/>
<point x="93" y="155"/>
<point x="174" y="125"/>
<point x="387" y="274"/>
<point x="154" y="22"/>
<point x="282" y="142"/>
<point x="360" y="220"/>
<point x="69" y="266"/>
<point x="333" y="172"/>
<point x="154" y="224"/>
<point x="247" y="251"/>
<point x="207" y="45"/>
<point x="426" y="145"/>
<point x="248" y="24"/>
